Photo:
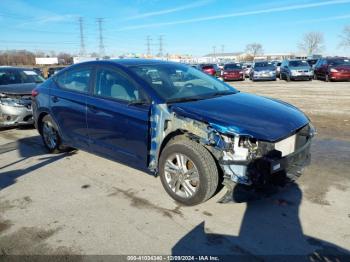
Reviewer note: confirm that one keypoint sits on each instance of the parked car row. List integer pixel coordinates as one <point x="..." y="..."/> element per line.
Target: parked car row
<point x="328" y="69"/>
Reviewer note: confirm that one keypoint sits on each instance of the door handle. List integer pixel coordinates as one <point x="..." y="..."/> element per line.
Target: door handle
<point x="54" y="99"/>
<point x="93" y="108"/>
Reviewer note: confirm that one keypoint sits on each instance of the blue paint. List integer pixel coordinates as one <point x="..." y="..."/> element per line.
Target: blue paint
<point x="133" y="134"/>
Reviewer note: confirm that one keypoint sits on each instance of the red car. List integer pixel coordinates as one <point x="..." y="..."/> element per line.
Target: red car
<point x="233" y="72"/>
<point x="332" y="69"/>
<point x="210" y="69"/>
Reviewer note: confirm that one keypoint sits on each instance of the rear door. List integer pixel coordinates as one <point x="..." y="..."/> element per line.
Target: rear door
<point x="68" y="104"/>
<point x="118" y="128"/>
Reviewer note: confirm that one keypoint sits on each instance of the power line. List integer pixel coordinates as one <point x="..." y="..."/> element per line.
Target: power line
<point x="160" y="54"/>
<point x="82" y="44"/>
<point x="101" y="45"/>
<point x="148" y="44"/>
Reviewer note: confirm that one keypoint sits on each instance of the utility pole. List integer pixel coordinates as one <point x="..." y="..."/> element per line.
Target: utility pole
<point x="222" y="48"/>
<point x="82" y="44"/>
<point x="148" y="44"/>
<point x="214" y="52"/>
<point x="101" y="45"/>
<point x="160" y="54"/>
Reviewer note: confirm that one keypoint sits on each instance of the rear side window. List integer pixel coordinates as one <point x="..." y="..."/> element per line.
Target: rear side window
<point x="114" y="84"/>
<point x="76" y="79"/>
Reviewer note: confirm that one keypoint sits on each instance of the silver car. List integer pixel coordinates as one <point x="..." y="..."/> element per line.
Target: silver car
<point x="16" y="85"/>
<point x="296" y="70"/>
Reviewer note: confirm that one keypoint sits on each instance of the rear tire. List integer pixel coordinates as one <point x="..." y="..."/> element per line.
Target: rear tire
<point x="50" y="136"/>
<point x="188" y="172"/>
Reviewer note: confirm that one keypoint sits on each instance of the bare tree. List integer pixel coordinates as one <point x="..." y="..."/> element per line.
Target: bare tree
<point x="312" y="43"/>
<point x="345" y="37"/>
<point x="65" y="58"/>
<point x="254" y="49"/>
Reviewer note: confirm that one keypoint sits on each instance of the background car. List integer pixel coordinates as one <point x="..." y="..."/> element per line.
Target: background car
<point x="312" y="62"/>
<point x="263" y="70"/>
<point x="54" y="70"/>
<point x="233" y="71"/>
<point x="247" y="67"/>
<point x="332" y="69"/>
<point x="295" y="70"/>
<point x="16" y="85"/>
<point x="210" y="69"/>
<point x="278" y="68"/>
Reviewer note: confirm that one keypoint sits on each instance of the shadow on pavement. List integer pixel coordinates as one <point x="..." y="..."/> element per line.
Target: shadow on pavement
<point x="270" y="230"/>
<point x="26" y="148"/>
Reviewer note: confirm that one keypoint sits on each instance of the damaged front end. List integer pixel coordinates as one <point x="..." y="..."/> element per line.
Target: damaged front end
<point x="242" y="158"/>
<point x="15" y="110"/>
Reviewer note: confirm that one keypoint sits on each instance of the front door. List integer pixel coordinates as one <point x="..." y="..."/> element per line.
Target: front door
<point x="118" y="127"/>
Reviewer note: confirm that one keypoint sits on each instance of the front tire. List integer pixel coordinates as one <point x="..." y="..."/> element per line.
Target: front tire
<point x="188" y="172"/>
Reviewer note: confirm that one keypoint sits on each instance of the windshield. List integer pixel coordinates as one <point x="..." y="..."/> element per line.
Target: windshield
<point x="9" y="76"/>
<point x="297" y="63"/>
<point x="339" y="62"/>
<point x="264" y="64"/>
<point x="176" y="82"/>
<point x="232" y="66"/>
<point x="312" y="62"/>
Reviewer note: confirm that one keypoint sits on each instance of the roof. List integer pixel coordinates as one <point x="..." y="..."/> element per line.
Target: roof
<point x="224" y="54"/>
<point x="137" y="61"/>
<point x="128" y="62"/>
<point x="16" y="67"/>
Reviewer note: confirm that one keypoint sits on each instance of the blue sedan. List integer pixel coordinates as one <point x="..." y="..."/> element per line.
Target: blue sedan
<point x="174" y="121"/>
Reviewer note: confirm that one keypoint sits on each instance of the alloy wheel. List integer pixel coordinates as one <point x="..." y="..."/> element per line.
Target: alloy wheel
<point x="50" y="135"/>
<point x="181" y="175"/>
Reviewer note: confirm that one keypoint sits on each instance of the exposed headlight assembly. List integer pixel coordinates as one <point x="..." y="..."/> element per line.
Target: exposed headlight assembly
<point x="6" y="101"/>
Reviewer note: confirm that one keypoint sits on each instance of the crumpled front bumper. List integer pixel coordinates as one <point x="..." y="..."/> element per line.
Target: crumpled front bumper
<point x="260" y="170"/>
<point x="15" y="115"/>
<point x="269" y="170"/>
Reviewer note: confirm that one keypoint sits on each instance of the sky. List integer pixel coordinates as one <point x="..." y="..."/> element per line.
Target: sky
<point x="187" y="27"/>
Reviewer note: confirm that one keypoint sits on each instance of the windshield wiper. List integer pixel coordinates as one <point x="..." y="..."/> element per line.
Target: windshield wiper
<point x="186" y="99"/>
<point x="138" y="103"/>
<point x="222" y="93"/>
<point x="202" y="97"/>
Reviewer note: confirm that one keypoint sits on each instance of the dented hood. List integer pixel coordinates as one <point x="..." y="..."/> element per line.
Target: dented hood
<point x="18" y="89"/>
<point x="245" y="114"/>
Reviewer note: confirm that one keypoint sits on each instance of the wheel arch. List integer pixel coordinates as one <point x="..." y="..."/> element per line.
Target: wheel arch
<point x="40" y="121"/>
<point x="181" y="134"/>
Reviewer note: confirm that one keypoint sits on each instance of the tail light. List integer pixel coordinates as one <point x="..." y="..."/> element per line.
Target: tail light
<point x="35" y="92"/>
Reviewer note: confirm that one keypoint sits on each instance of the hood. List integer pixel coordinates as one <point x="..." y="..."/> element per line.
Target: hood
<point x="341" y="67"/>
<point x="300" y="68"/>
<point x="18" y="89"/>
<point x="245" y="114"/>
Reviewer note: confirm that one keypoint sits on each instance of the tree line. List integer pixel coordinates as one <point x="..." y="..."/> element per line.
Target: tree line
<point x="311" y="43"/>
<point x="27" y="58"/>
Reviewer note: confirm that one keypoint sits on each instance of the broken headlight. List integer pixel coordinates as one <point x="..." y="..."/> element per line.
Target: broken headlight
<point x="6" y="101"/>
